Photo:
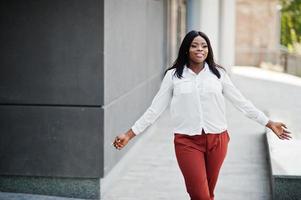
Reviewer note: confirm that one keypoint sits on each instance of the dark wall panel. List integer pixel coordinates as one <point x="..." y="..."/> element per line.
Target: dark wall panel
<point x="51" y="141"/>
<point x="51" y="52"/>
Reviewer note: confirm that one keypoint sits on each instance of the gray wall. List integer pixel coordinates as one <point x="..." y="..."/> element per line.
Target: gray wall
<point x="64" y="92"/>
<point x="51" y="88"/>
<point x="134" y="61"/>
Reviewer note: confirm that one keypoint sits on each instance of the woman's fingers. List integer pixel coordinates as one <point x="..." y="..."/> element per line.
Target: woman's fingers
<point x="285" y="136"/>
<point x="280" y="129"/>
<point x="286" y="131"/>
<point x="282" y="124"/>
<point x="118" y="143"/>
<point x="117" y="139"/>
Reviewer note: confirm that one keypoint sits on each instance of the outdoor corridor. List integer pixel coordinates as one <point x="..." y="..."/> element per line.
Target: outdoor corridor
<point x="150" y="171"/>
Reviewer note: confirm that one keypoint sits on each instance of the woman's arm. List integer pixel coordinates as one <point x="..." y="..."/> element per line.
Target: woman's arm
<point x="240" y="102"/>
<point x="244" y="105"/>
<point x="158" y="105"/>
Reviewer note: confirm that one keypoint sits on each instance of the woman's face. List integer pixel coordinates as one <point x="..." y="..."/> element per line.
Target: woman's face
<point x="198" y="50"/>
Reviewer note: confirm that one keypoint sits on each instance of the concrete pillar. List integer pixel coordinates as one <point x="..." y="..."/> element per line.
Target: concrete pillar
<point x="210" y="23"/>
<point x="227" y="33"/>
<point x="51" y="96"/>
<point x="216" y="18"/>
<point x="193" y="15"/>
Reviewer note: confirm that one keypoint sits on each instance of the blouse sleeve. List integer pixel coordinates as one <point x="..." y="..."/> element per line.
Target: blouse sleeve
<point x="240" y="102"/>
<point x="158" y="105"/>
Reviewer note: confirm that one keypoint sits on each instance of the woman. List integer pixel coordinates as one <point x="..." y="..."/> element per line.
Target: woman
<point x="195" y="86"/>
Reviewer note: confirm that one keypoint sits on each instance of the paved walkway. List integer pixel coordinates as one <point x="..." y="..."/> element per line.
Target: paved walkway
<point x="149" y="170"/>
<point x="152" y="172"/>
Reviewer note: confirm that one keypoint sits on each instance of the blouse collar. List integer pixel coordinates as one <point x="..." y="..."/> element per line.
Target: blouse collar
<point x="190" y="71"/>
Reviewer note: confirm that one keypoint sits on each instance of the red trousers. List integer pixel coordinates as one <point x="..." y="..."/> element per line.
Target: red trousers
<point x="200" y="158"/>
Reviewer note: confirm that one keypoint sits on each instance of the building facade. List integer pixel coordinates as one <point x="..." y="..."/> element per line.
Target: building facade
<point x="257" y="32"/>
<point x="74" y="74"/>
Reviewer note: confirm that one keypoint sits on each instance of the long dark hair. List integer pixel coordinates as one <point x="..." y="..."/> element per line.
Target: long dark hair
<point x="183" y="56"/>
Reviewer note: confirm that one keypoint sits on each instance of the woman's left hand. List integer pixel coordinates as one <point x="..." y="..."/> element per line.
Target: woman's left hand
<point x="278" y="129"/>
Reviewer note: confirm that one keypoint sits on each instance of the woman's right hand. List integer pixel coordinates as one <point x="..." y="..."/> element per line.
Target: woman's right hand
<point x="122" y="139"/>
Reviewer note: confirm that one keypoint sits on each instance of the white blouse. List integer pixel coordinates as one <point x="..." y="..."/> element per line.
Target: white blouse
<point x="197" y="102"/>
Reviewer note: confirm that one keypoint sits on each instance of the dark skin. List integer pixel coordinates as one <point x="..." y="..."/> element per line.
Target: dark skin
<point x="198" y="52"/>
